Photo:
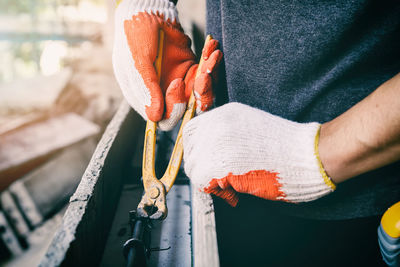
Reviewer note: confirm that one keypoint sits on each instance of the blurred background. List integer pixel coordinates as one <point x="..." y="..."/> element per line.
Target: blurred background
<point x="57" y="95"/>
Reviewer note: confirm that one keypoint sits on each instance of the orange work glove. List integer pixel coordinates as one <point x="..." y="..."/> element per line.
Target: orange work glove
<point x="137" y="27"/>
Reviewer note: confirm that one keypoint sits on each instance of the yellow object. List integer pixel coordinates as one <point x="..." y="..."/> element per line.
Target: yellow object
<point x="117" y="2"/>
<point x="391" y="221"/>
<point x="156" y="190"/>
<point x="327" y="180"/>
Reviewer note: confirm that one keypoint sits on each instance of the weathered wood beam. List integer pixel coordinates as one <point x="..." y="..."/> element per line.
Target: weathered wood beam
<point x="205" y="246"/>
<point x="81" y="237"/>
<point x="23" y="150"/>
<point x="46" y="189"/>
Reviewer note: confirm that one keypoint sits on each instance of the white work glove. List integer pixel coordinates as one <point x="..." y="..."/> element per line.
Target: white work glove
<point x="137" y="29"/>
<point x="237" y="148"/>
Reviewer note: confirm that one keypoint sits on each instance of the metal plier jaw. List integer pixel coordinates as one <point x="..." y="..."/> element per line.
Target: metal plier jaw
<point x="154" y="203"/>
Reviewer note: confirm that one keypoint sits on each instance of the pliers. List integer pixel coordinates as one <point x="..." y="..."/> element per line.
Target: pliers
<point x="153" y="204"/>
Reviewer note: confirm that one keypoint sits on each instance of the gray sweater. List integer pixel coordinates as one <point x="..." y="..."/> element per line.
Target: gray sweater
<point x="311" y="61"/>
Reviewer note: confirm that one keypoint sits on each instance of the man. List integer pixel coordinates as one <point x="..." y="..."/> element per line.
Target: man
<point x="318" y="87"/>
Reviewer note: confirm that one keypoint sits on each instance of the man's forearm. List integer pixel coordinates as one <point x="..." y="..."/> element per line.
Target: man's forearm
<point x="365" y="137"/>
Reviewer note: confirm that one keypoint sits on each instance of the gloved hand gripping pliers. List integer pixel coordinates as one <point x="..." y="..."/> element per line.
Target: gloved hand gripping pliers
<point x="153" y="204"/>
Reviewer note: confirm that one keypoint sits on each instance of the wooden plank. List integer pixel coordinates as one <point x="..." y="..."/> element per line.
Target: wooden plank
<point x="35" y="94"/>
<point x="10" y="208"/>
<point x="14" y="122"/>
<point x="30" y="146"/>
<point x="38" y="240"/>
<point x="81" y="237"/>
<point x="58" y="178"/>
<point x="205" y="246"/>
<point x="8" y="237"/>
<point x="26" y="203"/>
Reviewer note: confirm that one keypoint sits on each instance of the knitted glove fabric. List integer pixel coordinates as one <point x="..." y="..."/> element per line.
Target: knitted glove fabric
<point x="137" y="27"/>
<point x="237" y="148"/>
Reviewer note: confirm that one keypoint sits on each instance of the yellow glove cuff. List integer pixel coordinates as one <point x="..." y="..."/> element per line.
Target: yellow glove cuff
<point x="327" y="179"/>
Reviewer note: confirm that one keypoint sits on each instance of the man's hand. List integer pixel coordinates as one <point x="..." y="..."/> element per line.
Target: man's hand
<point x="237" y="148"/>
<point x="137" y="27"/>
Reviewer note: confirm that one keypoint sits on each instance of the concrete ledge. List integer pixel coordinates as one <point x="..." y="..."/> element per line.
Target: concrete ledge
<point x="80" y="239"/>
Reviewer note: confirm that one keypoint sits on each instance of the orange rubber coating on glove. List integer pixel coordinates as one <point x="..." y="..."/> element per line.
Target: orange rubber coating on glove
<point x="260" y="183"/>
<point x="202" y="85"/>
<point x="175" y="94"/>
<point x="178" y="61"/>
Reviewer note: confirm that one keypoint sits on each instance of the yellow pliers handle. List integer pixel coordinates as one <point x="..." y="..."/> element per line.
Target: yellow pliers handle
<point x="153" y="203"/>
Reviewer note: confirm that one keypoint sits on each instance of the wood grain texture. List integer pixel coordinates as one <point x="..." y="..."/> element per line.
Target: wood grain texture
<point x="25" y="149"/>
<point x="205" y="246"/>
